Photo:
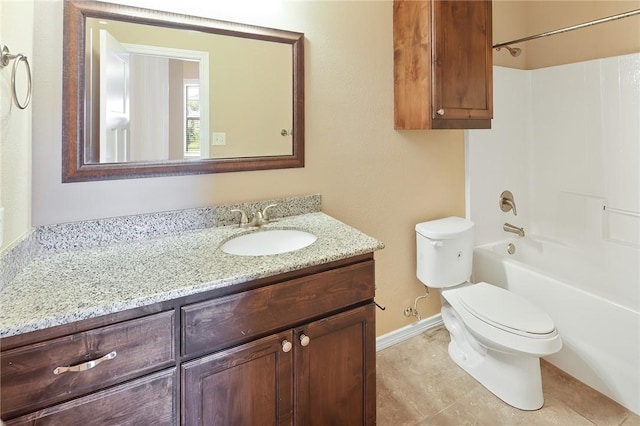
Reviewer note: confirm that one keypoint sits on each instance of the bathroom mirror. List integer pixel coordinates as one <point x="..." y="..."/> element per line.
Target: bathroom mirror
<point x="150" y="93"/>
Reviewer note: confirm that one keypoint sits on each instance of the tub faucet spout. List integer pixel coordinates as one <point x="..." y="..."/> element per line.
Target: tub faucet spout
<point x="512" y="228"/>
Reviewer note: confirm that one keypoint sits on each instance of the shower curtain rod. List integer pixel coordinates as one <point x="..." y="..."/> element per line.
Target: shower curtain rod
<point x="574" y="27"/>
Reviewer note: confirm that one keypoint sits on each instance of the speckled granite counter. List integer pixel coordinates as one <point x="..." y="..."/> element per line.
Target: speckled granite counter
<point x="71" y="285"/>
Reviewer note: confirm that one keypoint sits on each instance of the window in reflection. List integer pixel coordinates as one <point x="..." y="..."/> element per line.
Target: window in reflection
<point x="192" y="119"/>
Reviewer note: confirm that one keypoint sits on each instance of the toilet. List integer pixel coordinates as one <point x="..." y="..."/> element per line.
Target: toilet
<point x="497" y="336"/>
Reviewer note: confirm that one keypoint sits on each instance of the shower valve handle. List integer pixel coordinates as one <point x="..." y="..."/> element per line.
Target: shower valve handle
<point x="507" y="202"/>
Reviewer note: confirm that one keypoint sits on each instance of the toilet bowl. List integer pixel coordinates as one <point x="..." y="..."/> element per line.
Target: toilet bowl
<point x="496" y="336"/>
<point x="504" y="320"/>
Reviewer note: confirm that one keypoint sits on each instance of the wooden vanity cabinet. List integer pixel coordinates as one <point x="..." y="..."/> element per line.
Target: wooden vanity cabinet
<point x="293" y="349"/>
<point x="443" y="64"/>
<point x="321" y="373"/>
<point x="315" y="366"/>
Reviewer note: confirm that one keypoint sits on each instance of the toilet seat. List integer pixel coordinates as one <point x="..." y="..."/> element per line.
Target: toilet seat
<point x="503" y="320"/>
<point x="505" y="310"/>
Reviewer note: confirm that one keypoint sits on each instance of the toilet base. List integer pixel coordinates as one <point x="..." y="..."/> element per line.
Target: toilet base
<point x="514" y="378"/>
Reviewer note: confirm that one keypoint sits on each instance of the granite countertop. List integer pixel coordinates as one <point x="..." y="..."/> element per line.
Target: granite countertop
<point x="73" y="285"/>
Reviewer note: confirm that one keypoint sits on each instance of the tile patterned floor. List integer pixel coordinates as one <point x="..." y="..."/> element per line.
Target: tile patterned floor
<point x="418" y="384"/>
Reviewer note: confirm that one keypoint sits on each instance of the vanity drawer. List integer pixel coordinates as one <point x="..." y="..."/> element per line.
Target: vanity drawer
<point x="28" y="374"/>
<point x="221" y="323"/>
<point x="150" y="400"/>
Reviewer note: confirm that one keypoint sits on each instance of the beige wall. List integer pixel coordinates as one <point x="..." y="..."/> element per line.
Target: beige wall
<point x="509" y="23"/>
<point x="517" y="19"/>
<point x="370" y="176"/>
<point x="251" y="96"/>
<point x="374" y="178"/>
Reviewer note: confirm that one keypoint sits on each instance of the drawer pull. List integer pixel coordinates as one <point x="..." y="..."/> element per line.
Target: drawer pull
<point x="304" y="340"/>
<point x="85" y="365"/>
<point x="286" y="346"/>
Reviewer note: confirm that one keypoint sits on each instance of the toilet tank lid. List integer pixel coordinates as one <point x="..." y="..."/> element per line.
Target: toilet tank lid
<point x="445" y="228"/>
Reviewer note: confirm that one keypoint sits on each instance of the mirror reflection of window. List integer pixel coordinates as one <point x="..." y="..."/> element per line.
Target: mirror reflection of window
<point x="155" y="128"/>
<point x="192" y="119"/>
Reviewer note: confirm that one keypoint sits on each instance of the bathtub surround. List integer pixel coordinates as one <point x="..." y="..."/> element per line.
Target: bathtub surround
<point x="566" y="142"/>
<point x="566" y="139"/>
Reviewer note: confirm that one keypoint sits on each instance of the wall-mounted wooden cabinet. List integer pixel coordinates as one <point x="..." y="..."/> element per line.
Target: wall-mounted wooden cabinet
<point x="442" y="64"/>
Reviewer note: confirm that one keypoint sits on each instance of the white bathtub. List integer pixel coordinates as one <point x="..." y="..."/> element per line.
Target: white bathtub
<point x="593" y="296"/>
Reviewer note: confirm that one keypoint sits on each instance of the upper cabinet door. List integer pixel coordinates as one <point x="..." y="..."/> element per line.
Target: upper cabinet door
<point x="442" y="64"/>
<point x="462" y="61"/>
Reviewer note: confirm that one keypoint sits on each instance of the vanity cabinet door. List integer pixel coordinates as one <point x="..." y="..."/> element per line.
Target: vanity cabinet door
<point x="334" y="370"/>
<point x="322" y="373"/>
<point x="443" y="64"/>
<point x="249" y="384"/>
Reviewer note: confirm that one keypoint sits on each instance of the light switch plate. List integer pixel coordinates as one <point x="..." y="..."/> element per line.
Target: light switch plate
<point x="219" y="138"/>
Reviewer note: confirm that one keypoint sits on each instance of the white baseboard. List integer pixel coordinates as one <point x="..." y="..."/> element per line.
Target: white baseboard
<point x="407" y="332"/>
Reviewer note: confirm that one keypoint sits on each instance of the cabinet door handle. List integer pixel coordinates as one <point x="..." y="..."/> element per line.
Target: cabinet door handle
<point x="440" y="111"/>
<point x="304" y="340"/>
<point x="286" y="345"/>
<point x="85" y="365"/>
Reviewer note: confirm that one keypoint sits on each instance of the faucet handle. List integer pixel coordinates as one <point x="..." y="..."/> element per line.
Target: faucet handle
<point x="507" y="202"/>
<point x="244" y="220"/>
<point x="265" y="211"/>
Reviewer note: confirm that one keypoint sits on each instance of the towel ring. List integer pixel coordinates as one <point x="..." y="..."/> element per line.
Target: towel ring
<point x="21" y="58"/>
<point x="5" y="58"/>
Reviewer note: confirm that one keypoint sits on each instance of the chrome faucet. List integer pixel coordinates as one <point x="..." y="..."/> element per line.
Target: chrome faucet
<point x="259" y="217"/>
<point x="512" y="228"/>
<point x="507" y="202"/>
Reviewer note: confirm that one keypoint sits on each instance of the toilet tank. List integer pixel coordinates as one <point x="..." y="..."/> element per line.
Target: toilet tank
<point x="444" y="249"/>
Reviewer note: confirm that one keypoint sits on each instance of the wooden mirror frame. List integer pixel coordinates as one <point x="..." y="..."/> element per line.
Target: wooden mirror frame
<point x="74" y="169"/>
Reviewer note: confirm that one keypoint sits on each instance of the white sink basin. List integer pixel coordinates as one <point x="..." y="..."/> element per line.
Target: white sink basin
<point x="272" y="241"/>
